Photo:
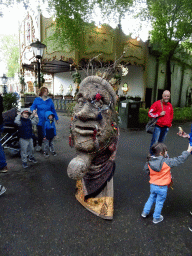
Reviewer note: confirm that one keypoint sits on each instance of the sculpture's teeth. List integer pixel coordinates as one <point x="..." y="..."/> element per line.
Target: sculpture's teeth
<point x="83" y="132"/>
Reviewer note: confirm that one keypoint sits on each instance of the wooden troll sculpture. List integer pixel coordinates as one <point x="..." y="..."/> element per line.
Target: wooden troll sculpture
<point x="94" y="133"/>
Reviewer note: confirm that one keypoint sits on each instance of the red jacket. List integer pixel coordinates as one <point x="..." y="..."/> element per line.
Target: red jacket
<point x="156" y="109"/>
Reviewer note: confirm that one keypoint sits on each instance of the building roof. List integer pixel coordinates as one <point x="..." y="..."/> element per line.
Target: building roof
<point x="50" y="67"/>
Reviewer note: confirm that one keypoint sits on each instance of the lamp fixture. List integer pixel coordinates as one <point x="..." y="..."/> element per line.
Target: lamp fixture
<point x="125" y="88"/>
<point x="38" y="49"/>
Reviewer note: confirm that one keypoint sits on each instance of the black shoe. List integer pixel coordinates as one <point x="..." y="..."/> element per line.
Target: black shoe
<point x="25" y="165"/>
<point x="32" y="159"/>
<point x="46" y="155"/>
<point x="54" y="153"/>
<point x="190" y="228"/>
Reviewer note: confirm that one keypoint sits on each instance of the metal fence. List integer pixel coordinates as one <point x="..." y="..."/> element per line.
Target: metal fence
<point x="61" y="104"/>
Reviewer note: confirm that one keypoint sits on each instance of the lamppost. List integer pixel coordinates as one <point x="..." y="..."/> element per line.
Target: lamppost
<point x="4" y="81"/>
<point x="38" y="49"/>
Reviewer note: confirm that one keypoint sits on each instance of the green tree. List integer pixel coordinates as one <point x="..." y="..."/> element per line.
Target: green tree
<point x="10" y="3"/>
<point x="10" y="51"/>
<point x="172" y="24"/>
<point x="72" y="15"/>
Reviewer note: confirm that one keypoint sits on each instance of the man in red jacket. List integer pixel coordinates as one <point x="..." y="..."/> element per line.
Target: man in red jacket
<point x="164" y="111"/>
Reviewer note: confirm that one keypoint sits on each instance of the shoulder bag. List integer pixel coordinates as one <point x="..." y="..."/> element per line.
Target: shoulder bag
<point x="150" y="126"/>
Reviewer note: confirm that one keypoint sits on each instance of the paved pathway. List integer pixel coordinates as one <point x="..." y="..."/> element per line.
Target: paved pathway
<point x="40" y="215"/>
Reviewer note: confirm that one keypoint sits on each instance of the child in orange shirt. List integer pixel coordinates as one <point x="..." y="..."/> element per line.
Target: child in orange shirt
<point x="158" y="167"/>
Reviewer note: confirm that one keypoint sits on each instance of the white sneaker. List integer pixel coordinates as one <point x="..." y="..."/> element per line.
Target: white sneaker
<point x="2" y="189"/>
<point x="143" y="214"/>
<point x="155" y="221"/>
<point x="38" y="148"/>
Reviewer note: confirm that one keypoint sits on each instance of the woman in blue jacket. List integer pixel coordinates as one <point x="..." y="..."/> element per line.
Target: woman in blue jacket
<point x="42" y="104"/>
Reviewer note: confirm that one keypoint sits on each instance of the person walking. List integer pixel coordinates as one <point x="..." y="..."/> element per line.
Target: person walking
<point x="163" y="110"/>
<point x="25" y="122"/>
<point x="50" y="133"/>
<point x="42" y="104"/>
<point x="158" y="167"/>
<point x="3" y="163"/>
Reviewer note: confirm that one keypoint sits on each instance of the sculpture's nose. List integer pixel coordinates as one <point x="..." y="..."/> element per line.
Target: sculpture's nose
<point x="86" y="113"/>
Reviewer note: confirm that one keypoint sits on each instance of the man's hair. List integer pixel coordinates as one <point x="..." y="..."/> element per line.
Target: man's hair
<point x="158" y="148"/>
<point x="42" y="90"/>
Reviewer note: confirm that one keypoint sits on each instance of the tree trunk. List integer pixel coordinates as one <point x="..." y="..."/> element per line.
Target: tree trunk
<point x="168" y="75"/>
<point x="156" y="79"/>
<point x="181" y="85"/>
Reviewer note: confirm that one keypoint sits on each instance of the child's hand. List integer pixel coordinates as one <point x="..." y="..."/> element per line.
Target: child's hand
<point x="34" y="114"/>
<point x="189" y="148"/>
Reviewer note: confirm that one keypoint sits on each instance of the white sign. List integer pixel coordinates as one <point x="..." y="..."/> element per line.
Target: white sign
<point x="123" y="105"/>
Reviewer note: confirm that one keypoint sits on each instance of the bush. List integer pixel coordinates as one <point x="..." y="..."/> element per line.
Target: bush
<point x="10" y="101"/>
<point x="180" y="115"/>
<point x="70" y="107"/>
<point x="143" y="115"/>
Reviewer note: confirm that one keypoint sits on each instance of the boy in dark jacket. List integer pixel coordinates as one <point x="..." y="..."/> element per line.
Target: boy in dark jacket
<point x="159" y="169"/>
<point x="25" y="122"/>
<point x="49" y="133"/>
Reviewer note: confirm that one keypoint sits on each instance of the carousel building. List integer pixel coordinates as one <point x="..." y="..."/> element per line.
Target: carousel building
<point x="145" y="78"/>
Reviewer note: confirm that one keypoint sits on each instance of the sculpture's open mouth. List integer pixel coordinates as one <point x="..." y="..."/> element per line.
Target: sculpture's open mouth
<point x="85" y="130"/>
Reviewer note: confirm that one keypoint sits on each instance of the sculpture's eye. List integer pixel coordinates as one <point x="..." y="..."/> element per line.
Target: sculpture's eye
<point x="80" y="102"/>
<point x="99" y="104"/>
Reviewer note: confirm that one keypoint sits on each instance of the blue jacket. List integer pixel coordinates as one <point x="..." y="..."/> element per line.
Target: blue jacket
<point x="42" y="106"/>
<point x="49" y="127"/>
<point x="25" y="126"/>
<point x="25" y="129"/>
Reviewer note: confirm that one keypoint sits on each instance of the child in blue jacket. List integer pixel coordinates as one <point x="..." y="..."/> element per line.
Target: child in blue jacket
<point x="25" y="122"/>
<point x="50" y="133"/>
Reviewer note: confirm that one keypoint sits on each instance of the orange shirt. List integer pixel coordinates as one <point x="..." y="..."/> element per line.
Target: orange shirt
<point x="161" y="178"/>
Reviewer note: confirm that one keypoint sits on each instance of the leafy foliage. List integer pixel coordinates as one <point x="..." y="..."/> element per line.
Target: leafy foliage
<point x="172" y="23"/>
<point x="10" y="101"/>
<point x="180" y="115"/>
<point x="72" y="15"/>
<point x="9" y="3"/>
<point x="188" y="44"/>
<point x="10" y="51"/>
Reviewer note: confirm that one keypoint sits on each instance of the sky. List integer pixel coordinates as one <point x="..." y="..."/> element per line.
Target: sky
<point x="9" y="24"/>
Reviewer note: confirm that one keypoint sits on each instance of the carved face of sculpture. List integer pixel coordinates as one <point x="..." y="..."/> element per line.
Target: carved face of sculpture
<point x="93" y="114"/>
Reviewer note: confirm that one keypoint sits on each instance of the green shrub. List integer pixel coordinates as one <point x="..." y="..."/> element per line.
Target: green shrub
<point x="143" y="115"/>
<point x="10" y="101"/>
<point x="180" y="115"/>
<point x="70" y="107"/>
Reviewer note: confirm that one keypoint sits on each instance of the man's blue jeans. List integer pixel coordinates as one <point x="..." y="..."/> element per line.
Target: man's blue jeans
<point x="2" y="154"/>
<point x="157" y="196"/>
<point x="159" y="135"/>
